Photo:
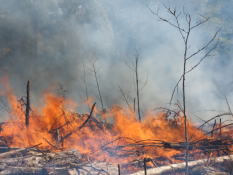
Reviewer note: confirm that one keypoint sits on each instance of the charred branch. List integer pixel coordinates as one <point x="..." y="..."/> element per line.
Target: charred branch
<point x="84" y="123"/>
<point x="28" y="103"/>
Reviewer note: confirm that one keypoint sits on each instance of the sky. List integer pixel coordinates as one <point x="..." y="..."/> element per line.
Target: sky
<point x="112" y="33"/>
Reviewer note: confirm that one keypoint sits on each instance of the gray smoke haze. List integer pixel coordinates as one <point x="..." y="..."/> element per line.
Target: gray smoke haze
<point x="110" y="31"/>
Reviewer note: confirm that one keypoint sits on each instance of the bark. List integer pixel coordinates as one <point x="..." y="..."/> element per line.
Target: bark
<point x="20" y="170"/>
<point x="12" y="153"/>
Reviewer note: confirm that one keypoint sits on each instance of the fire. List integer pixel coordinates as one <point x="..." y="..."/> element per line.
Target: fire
<point x="123" y="141"/>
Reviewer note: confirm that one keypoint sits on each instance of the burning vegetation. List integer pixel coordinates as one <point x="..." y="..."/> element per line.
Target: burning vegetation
<point x="52" y="138"/>
<point x="55" y="138"/>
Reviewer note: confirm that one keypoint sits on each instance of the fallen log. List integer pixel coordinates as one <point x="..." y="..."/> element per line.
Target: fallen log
<point x="181" y="166"/>
<point x="202" y="147"/>
<point x="12" y="153"/>
<point x="65" y="158"/>
<point x="28" y="161"/>
<point x="16" y="170"/>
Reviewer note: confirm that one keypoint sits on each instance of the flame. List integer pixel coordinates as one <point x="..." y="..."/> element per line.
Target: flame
<point x="121" y="142"/>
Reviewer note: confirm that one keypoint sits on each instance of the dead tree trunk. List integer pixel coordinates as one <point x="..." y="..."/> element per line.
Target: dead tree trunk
<point x="185" y="117"/>
<point x="28" y="103"/>
<point x="136" y="71"/>
<point x="134" y="68"/>
<point x="220" y="126"/>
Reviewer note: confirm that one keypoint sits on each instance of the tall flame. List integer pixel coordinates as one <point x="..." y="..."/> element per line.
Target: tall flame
<point x="103" y="144"/>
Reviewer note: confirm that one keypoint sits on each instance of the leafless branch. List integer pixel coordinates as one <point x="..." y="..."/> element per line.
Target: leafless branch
<point x="144" y="83"/>
<point x="6" y="106"/>
<point x="176" y="87"/>
<point x="84" y="123"/>
<point x="134" y="68"/>
<point x="200" y="118"/>
<point x="95" y="73"/>
<point x="131" y="63"/>
<point x="50" y="143"/>
<point x="228" y="106"/>
<point x="217" y="116"/>
<point x="185" y="39"/>
<point x="203" y="58"/>
<point x="162" y="19"/>
<point x="125" y="98"/>
<point x="85" y="83"/>
<point x="206" y="46"/>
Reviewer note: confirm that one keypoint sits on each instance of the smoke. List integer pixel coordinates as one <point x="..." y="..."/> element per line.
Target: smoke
<point x="48" y="40"/>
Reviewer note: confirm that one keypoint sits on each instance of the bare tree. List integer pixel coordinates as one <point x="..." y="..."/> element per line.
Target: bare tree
<point x="6" y="106"/>
<point x="134" y="68"/>
<point x="126" y="97"/>
<point x="185" y="36"/>
<point x="85" y="83"/>
<point x="94" y="71"/>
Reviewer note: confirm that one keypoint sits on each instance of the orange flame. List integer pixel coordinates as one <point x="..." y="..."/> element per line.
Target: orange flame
<point x="101" y="144"/>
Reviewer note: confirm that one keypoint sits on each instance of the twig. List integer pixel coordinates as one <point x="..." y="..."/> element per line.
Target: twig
<point x="62" y="125"/>
<point x="50" y="143"/>
<point x="228" y="106"/>
<point x="69" y="134"/>
<point x="208" y="122"/>
<point x="125" y="99"/>
<point x="219" y="128"/>
<point x="35" y="145"/>
<point x="200" y="118"/>
<point x="84" y="79"/>
<point x="134" y="68"/>
<point x="94" y="72"/>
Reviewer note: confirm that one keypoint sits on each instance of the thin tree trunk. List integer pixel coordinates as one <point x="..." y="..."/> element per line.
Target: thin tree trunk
<point x="98" y="88"/>
<point x="134" y="104"/>
<point x="185" y="117"/>
<point x="139" y="116"/>
<point x="220" y="126"/>
<point x="134" y="109"/>
<point x="84" y="79"/>
<point x="126" y="100"/>
<point x="182" y="32"/>
<point x="35" y="38"/>
<point x="28" y="103"/>
<point x="185" y="120"/>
